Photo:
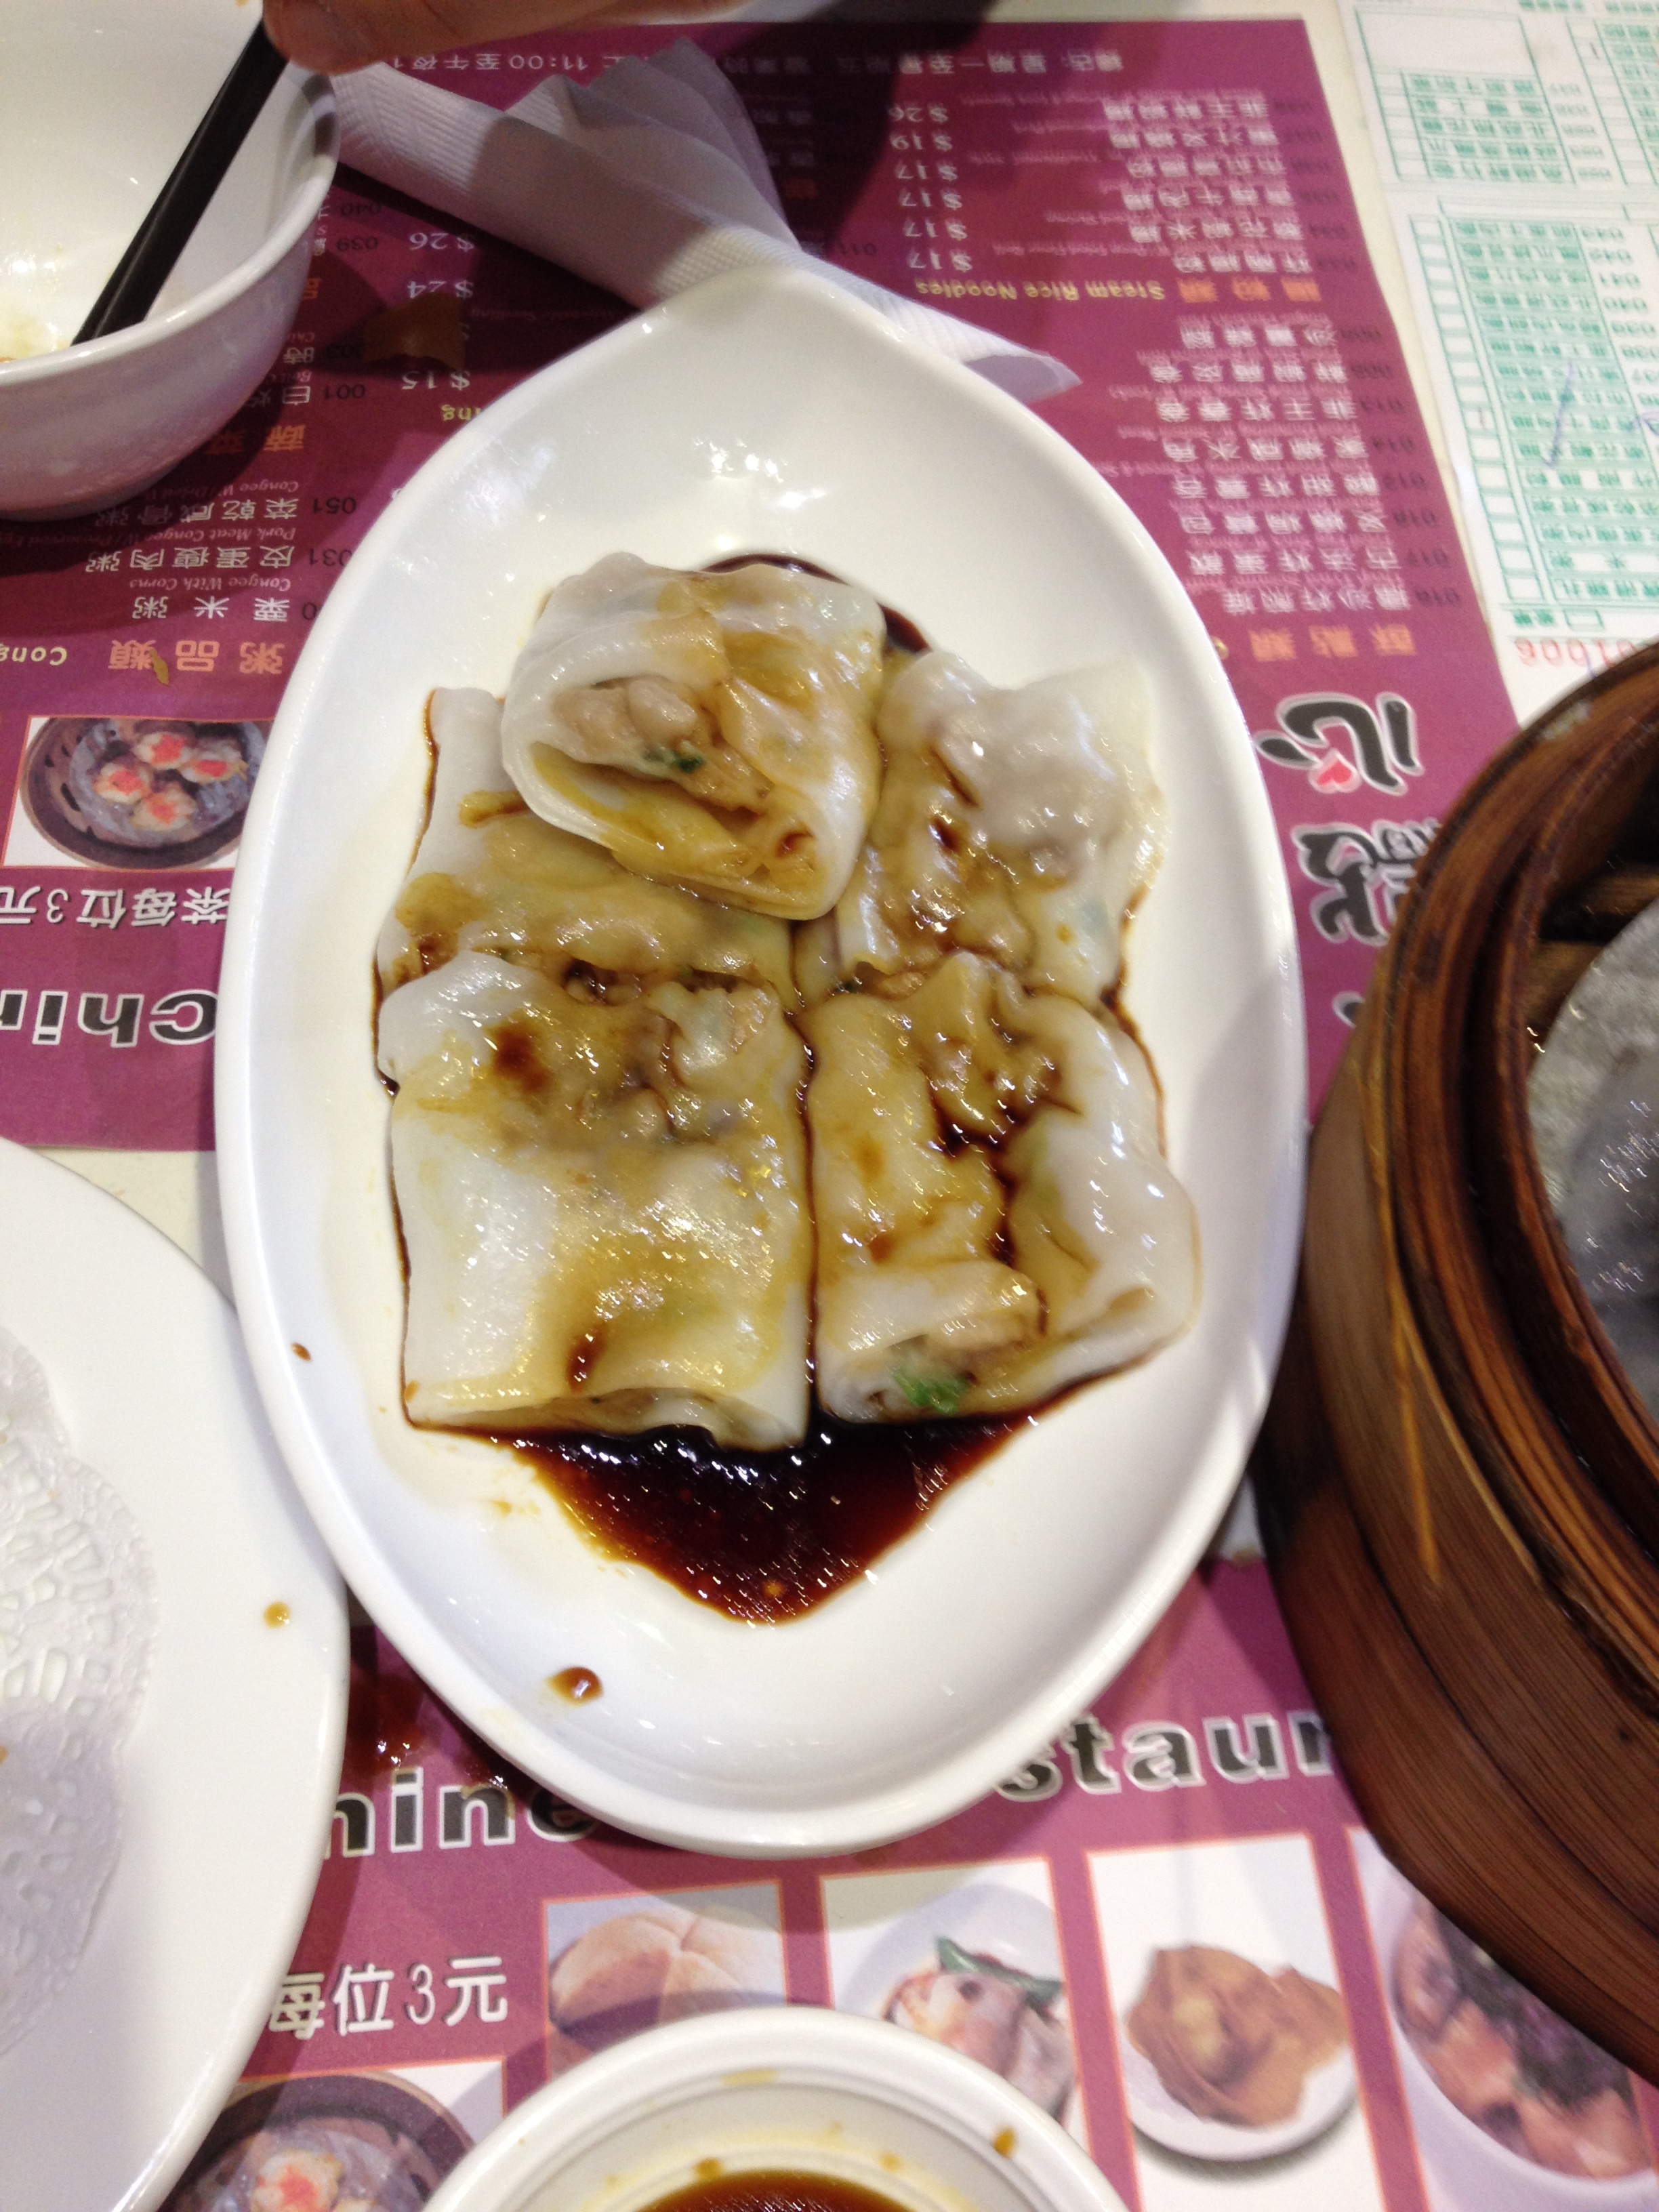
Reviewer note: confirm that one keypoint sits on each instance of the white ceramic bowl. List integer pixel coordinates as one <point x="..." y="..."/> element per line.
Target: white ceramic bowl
<point x="762" y="410"/>
<point x="98" y="99"/>
<point x="790" y="2088"/>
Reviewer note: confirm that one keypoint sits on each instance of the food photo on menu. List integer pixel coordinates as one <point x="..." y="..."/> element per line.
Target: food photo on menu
<point x="624" y="1965"/>
<point x="714" y="738"/>
<point x="1524" y="2077"/>
<point x="322" y="2144"/>
<point x="126" y="792"/>
<point x="968" y="1957"/>
<point x="1506" y="2096"/>
<point x="1234" y="2031"/>
<point x="975" y="2002"/>
<point x="1231" y="2042"/>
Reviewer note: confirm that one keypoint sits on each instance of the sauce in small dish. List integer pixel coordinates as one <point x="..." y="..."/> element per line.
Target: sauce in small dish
<point x="779" y="2191"/>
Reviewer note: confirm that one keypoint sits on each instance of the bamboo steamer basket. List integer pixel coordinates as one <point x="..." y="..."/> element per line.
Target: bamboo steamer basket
<point x="1460" y="1489"/>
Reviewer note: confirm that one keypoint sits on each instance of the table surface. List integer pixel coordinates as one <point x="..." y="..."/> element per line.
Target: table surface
<point x="1197" y="1800"/>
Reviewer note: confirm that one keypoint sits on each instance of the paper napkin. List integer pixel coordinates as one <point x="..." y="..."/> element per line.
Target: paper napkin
<point x="646" y="182"/>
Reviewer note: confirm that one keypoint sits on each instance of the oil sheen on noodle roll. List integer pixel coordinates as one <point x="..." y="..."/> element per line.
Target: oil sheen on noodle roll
<point x="713" y="730"/>
<point x="490" y="877"/>
<point x="995" y="1216"/>
<point x="597" y="1143"/>
<point x="1017" y="825"/>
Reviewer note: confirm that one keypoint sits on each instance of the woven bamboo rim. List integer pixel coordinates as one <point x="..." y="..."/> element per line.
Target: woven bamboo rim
<point x="1452" y="1446"/>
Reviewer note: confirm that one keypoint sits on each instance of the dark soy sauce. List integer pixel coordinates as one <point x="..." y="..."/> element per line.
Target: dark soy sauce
<point x="716" y="2192"/>
<point x="576" y="1685"/>
<point x="761" y="1535"/>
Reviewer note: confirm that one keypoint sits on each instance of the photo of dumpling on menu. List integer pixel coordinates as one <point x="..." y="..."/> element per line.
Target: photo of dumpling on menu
<point x="148" y="792"/>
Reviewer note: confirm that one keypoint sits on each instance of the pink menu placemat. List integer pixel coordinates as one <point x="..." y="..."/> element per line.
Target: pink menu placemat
<point x="472" y="1937"/>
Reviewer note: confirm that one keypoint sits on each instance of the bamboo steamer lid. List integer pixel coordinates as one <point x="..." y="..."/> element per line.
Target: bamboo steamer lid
<point x="1460" y="1489"/>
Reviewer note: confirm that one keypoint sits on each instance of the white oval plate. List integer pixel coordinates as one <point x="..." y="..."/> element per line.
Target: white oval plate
<point x="229" y="1775"/>
<point x="759" y="413"/>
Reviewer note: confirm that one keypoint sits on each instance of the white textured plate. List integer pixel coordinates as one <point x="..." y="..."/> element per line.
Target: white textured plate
<point x="758" y="412"/>
<point x="230" y="1772"/>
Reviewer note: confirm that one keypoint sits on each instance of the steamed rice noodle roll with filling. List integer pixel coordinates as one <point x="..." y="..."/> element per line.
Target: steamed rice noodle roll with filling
<point x="710" y="730"/>
<point x="602" y="1191"/>
<point x="488" y="876"/>
<point x="1018" y="825"/>
<point x="596" y="1144"/>
<point x="996" y="1215"/>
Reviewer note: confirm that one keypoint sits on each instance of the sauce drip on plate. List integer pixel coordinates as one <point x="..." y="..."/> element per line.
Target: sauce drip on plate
<point x="576" y="1685"/>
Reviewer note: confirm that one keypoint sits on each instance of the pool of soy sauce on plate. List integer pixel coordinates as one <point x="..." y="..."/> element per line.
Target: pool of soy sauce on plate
<point x="764" y="1535"/>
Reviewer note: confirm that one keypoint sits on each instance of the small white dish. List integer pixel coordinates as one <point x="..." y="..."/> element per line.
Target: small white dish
<point x="98" y="99"/>
<point x="790" y="2089"/>
<point x="229" y="1774"/>
<point x="760" y="412"/>
<point x="1326" y="2094"/>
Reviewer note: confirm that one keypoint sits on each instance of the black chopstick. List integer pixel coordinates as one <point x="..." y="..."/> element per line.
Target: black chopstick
<point x="162" y="237"/>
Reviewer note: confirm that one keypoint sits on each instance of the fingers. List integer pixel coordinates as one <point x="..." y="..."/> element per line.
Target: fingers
<point x="312" y="33"/>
